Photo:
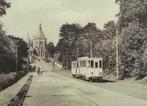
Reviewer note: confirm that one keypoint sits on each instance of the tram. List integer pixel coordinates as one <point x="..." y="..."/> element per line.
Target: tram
<point x="87" y="68"/>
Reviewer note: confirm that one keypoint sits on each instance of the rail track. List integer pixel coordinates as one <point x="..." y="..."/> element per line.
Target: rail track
<point x="20" y="96"/>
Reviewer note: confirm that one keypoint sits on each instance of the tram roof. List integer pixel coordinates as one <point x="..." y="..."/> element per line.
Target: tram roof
<point x="89" y="58"/>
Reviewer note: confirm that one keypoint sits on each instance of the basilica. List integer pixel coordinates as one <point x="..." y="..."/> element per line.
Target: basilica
<point x="38" y="43"/>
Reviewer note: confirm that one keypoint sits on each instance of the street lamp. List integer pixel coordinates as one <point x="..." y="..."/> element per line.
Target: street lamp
<point x="117" y="54"/>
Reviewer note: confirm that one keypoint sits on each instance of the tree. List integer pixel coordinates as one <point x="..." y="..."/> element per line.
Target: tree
<point x="109" y="30"/>
<point x="132" y="51"/>
<point x="132" y="11"/>
<point x="12" y="49"/>
<point x="91" y="35"/>
<point x="105" y="47"/>
<point x="132" y="25"/>
<point x="20" y="54"/>
<point x="50" y="49"/>
<point x="78" y="42"/>
<point x="3" y="6"/>
<point x="67" y="45"/>
<point x="8" y="53"/>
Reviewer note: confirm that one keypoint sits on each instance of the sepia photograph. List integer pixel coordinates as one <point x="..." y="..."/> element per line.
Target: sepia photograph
<point x="73" y="52"/>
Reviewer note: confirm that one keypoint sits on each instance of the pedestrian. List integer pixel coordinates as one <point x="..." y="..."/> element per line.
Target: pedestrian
<point x="38" y="70"/>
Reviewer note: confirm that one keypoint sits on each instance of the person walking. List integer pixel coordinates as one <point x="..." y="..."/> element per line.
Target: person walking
<point x="38" y="70"/>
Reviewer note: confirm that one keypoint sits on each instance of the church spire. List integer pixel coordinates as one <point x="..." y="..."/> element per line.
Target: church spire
<point x="39" y="42"/>
<point x="40" y="27"/>
<point x="40" y="33"/>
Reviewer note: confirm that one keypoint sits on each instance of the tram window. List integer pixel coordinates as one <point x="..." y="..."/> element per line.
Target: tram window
<point x="74" y="65"/>
<point x="92" y="64"/>
<point x="77" y="65"/>
<point x="96" y="64"/>
<point x="88" y="63"/>
<point x="83" y="63"/>
<point x="100" y="64"/>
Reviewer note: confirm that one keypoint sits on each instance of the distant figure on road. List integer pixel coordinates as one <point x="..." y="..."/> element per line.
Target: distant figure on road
<point x="38" y="70"/>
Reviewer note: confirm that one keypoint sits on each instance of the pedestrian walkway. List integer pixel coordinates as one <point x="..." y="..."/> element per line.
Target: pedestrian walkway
<point x="7" y="94"/>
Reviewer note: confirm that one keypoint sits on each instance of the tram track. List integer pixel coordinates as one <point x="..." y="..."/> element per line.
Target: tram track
<point x="20" y="96"/>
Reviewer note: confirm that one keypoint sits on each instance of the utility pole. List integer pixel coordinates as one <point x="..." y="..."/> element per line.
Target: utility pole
<point x="53" y="60"/>
<point x="117" y="55"/>
<point x="77" y="52"/>
<point x="91" y="50"/>
<point x="66" y="58"/>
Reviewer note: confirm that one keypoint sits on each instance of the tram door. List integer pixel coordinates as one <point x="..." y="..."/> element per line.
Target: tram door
<point x="78" y="68"/>
<point x="74" y="68"/>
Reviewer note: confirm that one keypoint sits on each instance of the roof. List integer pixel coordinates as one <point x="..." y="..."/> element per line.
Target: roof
<point x="89" y="58"/>
<point x="40" y="33"/>
<point x="80" y="58"/>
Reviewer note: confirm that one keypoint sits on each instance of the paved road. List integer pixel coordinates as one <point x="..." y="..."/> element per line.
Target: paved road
<point x="51" y="89"/>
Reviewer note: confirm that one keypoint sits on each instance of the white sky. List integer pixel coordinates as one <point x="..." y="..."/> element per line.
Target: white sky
<point x="25" y="15"/>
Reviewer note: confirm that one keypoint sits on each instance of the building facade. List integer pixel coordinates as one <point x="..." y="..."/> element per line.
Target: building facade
<point x="40" y="42"/>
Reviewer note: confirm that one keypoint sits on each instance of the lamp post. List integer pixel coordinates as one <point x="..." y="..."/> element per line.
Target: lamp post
<point x="53" y="60"/>
<point x="91" y="48"/>
<point x="117" y="55"/>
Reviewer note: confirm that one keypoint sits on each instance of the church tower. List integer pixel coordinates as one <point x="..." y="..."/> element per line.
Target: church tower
<point x="40" y="42"/>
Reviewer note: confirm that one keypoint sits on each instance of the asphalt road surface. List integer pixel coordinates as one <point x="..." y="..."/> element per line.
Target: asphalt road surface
<point x="51" y="89"/>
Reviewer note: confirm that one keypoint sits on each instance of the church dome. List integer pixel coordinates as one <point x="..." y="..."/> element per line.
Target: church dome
<point x="40" y="33"/>
<point x="39" y="42"/>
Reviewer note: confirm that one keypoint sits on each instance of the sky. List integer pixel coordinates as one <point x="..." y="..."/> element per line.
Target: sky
<point x="24" y="16"/>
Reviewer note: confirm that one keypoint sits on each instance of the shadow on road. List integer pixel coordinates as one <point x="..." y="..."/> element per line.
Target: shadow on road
<point x="103" y="81"/>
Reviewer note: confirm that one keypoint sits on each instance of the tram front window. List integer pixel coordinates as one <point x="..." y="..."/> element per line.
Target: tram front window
<point x="92" y="65"/>
<point x="77" y="65"/>
<point x="82" y="63"/>
<point x="96" y="64"/>
<point x="74" y="65"/>
<point x="100" y="64"/>
<point x="88" y="63"/>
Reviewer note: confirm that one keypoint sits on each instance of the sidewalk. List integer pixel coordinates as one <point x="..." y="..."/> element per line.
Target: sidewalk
<point x="7" y="94"/>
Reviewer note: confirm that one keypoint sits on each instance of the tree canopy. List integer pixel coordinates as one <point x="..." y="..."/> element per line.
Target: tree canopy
<point x="50" y="49"/>
<point x="8" y="44"/>
<point x="77" y="41"/>
<point x="132" y="21"/>
<point x="3" y="6"/>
